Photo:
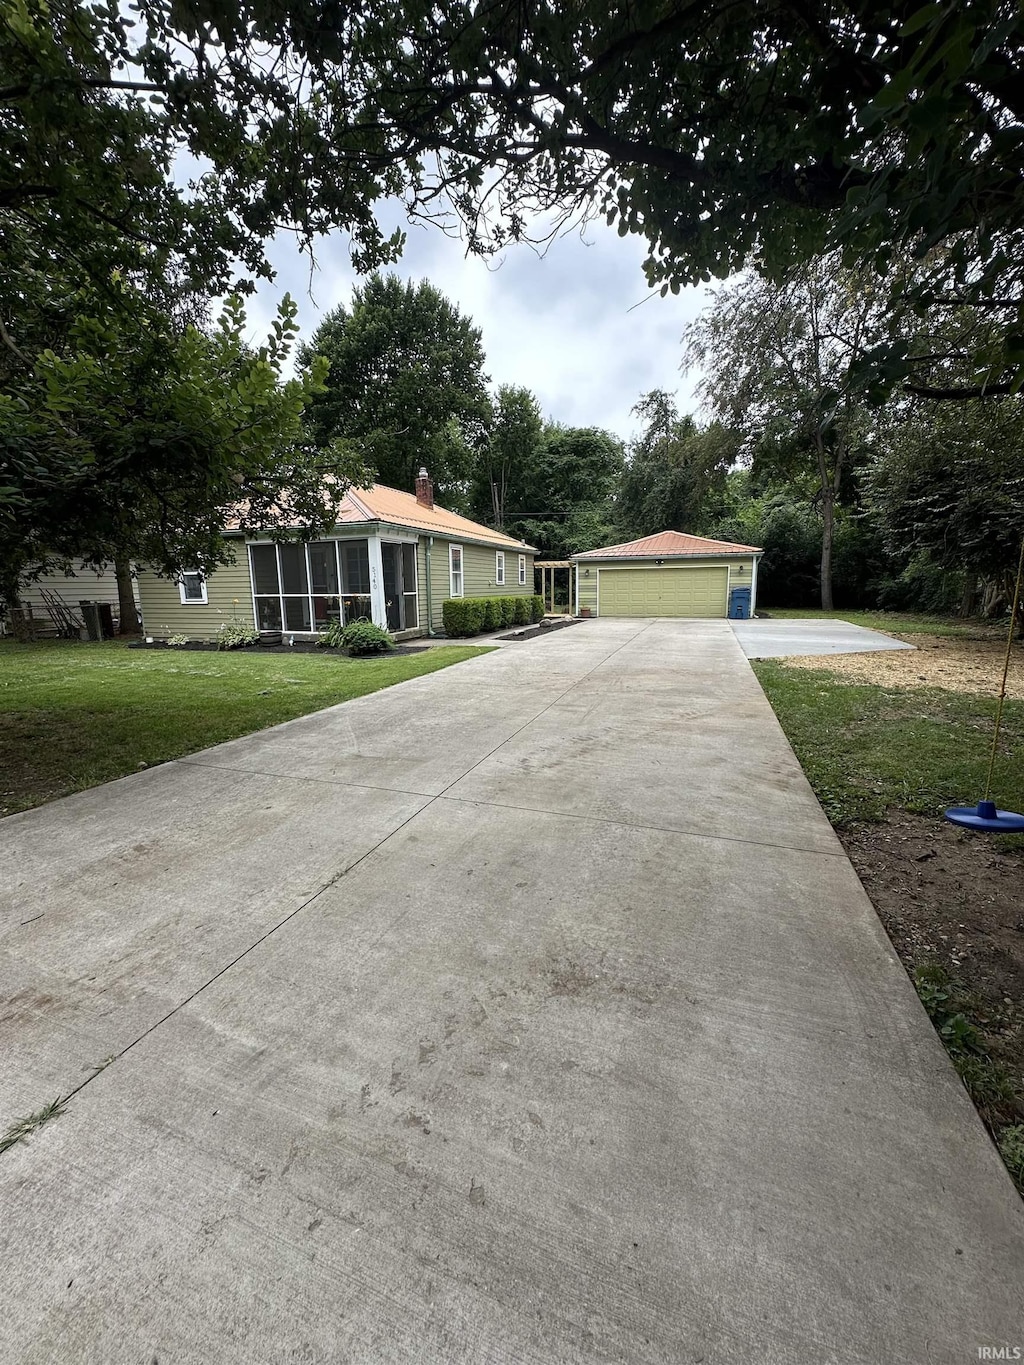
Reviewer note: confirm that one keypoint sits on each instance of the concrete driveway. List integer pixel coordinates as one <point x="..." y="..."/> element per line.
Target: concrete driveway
<point x="771" y="639"/>
<point x="526" y="1012"/>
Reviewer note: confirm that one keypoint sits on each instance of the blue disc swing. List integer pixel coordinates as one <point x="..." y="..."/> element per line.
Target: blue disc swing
<point x="985" y="815"/>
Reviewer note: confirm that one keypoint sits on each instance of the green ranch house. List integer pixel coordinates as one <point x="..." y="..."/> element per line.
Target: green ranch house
<point x="393" y="557"/>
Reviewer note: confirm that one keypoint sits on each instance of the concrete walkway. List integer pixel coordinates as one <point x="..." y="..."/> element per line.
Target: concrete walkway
<point x="526" y="1012"/>
<point x="775" y="639"/>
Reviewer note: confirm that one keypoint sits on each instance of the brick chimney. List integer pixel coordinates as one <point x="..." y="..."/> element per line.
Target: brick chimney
<point x="424" y="488"/>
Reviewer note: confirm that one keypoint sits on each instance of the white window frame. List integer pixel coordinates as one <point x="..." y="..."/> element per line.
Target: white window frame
<point x="339" y="543"/>
<point x="522" y="570"/>
<point x="460" y="571"/>
<point x="499" y="568"/>
<point x="202" y="601"/>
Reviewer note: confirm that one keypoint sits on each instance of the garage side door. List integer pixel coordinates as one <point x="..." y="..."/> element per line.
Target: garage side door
<point x="662" y="592"/>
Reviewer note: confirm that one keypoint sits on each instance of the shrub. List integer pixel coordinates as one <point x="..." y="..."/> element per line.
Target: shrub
<point x="492" y="613"/>
<point x="363" y="637"/>
<point x="463" y="615"/>
<point x="523" y="610"/>
<point x="332" y="636"/>
<point x="508" y="611"/>
<point x="235" y="634"/>
<point x="536" y="608"/>
<point x="177" y="639"/>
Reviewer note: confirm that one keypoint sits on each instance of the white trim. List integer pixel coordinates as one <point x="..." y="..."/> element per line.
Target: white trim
<point x="192" y="601"/>
<point x="378" y="603"/>
<point x="577" y="590"/>
<point x="499" y="568"/>
<point x="522" y="570"/>
<point x="753" y="586"/>
<point x="451" y="571"/>
<point x="403" y="541"/>
<point x="625" y="568"/>
<point x="623" y="560"/>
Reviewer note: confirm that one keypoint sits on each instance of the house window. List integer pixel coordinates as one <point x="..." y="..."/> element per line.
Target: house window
<point x="499" y="568"/>
<point x="192" y="589"/>
<point x="307" y="587"/>
<point x="522" y="570"/>
<point x="455" y="570"/>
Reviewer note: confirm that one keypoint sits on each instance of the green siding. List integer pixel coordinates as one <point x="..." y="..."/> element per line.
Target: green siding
<point x="478" y="567"/>
<point x="164" y="615"/>
<point x="588" y="586"/>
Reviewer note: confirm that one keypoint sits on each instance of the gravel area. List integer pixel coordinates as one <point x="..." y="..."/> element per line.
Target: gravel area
<point x="949" y="662"/>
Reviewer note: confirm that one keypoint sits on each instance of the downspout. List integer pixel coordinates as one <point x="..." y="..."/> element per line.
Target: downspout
<point x="431" y="633"/>
<point x="753" y="587"/>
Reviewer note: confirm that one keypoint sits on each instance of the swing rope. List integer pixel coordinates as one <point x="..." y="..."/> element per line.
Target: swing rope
<point x="1006" y="670"/>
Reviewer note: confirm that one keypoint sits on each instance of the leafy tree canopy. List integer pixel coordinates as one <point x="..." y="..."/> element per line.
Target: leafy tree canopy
<point x="404" y="382"/>
<point x="509" y="457"/>
<point x="138" y="438"/>
<point x="784" y="366"/>
<point x="947" y="483"/>
<point x="723" y="133"/>
<point x="569" y="492"/>
<point x="674" y="470"/>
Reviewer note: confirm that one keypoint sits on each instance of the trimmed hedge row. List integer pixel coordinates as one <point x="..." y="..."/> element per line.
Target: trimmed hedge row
<point x="471" y="615"/>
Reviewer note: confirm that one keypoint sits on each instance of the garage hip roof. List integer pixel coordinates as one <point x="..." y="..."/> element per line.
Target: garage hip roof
<point x="670" y="545"/>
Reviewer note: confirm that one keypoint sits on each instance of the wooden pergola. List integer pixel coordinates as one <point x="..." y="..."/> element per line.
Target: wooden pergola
<point x="547" y="584"/>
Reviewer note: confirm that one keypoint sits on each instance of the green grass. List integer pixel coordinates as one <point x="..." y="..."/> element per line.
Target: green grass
<point x="866" y="749"/>
<point x="898" y="622"/>
<point x="22" y="1129"/>
<point x="74" y="715"/>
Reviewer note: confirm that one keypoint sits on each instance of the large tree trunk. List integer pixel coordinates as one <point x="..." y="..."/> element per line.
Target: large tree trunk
<point x="829" y="483"/>
<point x="126" y="597"/>
<point x="827" y="528"/>
<point x="969" y="597"/>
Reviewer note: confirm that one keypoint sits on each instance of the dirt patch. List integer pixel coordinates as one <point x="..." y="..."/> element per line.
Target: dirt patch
<point x="952" y="663"/>
<point x="952" y="897"/>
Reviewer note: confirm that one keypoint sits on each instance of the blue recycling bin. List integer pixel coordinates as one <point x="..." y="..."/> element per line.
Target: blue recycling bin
<point x="739" y="604"/>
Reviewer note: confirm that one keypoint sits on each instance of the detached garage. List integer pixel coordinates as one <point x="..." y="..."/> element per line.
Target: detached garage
<point x="668" y="574"/>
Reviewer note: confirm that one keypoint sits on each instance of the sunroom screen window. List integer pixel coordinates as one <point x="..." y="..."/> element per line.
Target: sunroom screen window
<point x="293" y="570"/>
<point x="303" y="588"/>
<point x="264" y="570"/>
<point x="357" y="566"/>
<point x="323" y="568"/>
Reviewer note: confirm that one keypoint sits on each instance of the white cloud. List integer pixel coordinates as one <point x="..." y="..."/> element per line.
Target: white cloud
<point x="576" y="325"/>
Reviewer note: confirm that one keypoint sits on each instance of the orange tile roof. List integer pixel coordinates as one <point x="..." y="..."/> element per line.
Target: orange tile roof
<point x="380" y="503"/>
<point x="669" y="544"/>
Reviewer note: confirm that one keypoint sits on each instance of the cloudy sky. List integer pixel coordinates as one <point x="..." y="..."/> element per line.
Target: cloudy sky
<point x="576" y="325"/>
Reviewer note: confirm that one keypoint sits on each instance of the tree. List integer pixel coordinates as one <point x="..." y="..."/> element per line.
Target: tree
<point x="723" y="133"/>
<point x="404" y="382"/>
<point x="570" y="491"/>
<point x="142" y="441"/>
<point x="784" y="365"/>
<point x="509" y="456"/>
<point x="672" y="470"/>
<point x="947" y="488"/>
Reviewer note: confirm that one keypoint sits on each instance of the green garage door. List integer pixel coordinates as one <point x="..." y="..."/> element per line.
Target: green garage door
<point x="662" y="592"/>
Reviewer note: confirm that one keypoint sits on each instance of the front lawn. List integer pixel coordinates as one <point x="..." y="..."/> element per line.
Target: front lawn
<point x="74" y="715"/>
